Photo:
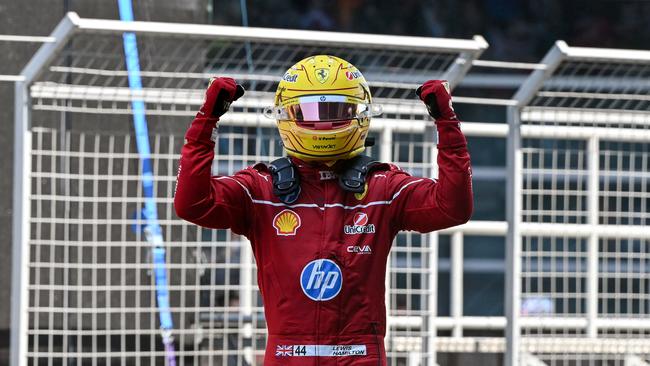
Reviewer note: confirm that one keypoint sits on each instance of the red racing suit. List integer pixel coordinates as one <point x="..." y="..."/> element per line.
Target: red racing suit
<point x="322" y="259"/>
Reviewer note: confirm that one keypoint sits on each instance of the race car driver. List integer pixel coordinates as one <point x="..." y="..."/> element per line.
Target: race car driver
<point x="321" y="220"/>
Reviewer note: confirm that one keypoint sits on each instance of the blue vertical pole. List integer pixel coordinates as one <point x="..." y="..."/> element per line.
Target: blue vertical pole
<point x="153" y="230"/>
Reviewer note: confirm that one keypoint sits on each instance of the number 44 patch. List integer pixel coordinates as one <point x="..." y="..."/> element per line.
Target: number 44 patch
<point x="300" y="350"/>
<point x="320" y="350"/>
<point x="290" y="351"/>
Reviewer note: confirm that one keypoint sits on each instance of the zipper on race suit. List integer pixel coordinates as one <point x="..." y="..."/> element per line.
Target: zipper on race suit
<point x="320" y="255"/>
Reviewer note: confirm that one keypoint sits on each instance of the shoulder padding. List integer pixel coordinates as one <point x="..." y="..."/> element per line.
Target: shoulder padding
<point x="396" y="168"/>
<point x="354" y="172"/>
<point x="262" y="168"/>
<point x="286" y="180"/>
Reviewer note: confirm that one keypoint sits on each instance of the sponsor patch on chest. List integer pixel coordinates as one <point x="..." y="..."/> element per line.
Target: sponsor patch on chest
<point x="359" y="249"/>
<point x="360" y="225"/>
<point x="321" y="279"/>
<point x="286" y="223"/>
<point x="327" y="175"/>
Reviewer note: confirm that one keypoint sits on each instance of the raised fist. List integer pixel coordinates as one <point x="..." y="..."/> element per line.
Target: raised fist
<point x="220" y="93"/>
<point x="436" y="96"/>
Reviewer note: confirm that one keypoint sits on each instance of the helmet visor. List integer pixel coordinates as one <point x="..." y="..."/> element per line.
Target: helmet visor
<point x="324" y="111"/>
<point x="324" y="108"/>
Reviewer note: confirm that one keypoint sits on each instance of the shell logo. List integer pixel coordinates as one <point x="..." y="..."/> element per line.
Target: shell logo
<point x="286" y="223"/>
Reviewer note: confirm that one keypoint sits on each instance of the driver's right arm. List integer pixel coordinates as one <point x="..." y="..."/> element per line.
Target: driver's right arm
<point x="218" y="202"/>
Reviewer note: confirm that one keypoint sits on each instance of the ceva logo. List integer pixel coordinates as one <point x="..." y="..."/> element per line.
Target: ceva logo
<point x="359" y="225"/>
<point x="359" y="249"/>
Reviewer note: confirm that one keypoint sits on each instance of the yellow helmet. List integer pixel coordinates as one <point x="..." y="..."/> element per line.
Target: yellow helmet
<point x="323" y="108"/>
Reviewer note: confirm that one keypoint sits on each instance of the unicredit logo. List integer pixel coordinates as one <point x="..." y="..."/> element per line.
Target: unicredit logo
<point x="360" y="218"/>
<point x="359" y="225"/>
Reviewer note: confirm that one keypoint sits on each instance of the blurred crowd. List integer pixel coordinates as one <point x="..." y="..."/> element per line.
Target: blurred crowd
<point x="517" y="30"/>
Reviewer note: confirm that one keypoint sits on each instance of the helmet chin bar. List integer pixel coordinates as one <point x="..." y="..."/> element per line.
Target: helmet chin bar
<point x="324" y="159"/>
<point x="322" y="145"/>
<point x="324" y="125"/>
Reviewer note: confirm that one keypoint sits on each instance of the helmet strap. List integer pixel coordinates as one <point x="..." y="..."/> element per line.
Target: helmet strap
<point x="352" y="176"/>
<point x="286" y="181"/>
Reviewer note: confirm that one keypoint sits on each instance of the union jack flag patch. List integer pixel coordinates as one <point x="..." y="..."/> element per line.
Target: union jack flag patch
<point x="283" y="351"/>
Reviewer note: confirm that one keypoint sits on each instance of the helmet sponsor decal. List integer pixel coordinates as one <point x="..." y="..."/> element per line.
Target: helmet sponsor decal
<point x="290" y="78"/>
<point x="351" y="75"/>
<point x="321" y="280"/>
<point x="326" y="147"/>
<point x="359" y="225"/>
<point x="322" y="74"/>
<point x="324" y="138"/>
<point x="286" y="223"/>
<point x="319" y="98"/>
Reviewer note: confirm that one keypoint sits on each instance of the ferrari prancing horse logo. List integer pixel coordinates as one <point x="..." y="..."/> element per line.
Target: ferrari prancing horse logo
<point x="286" y="223"/>
<point x="321" y="75"/>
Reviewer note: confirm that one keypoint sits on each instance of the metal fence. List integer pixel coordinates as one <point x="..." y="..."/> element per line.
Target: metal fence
<point x="83" y="291"/>
<point x="579" y="194"/>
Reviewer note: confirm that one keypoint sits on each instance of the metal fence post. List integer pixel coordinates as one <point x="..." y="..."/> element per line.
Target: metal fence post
<point x="593" y="159"/>
<point x="385" y="155"/>
<point x="433" y="299"/>
<point x="457" y="283"/>
<point x="513" y="239"/>
<point x="459" y="69"/>
<point x="433" y="239"/>
<point x="246" y="296"/>
<point x="21" y="209"/>
<point x="514" y="170"/>
<point x="20" y="229"/>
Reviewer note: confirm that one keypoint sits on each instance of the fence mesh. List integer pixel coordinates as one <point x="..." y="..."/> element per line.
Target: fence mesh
<point x="91" y="291"/>
<point x="587" y="169"/>
<point x="91" y="294"/>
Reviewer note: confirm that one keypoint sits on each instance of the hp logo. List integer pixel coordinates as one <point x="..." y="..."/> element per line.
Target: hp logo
<point x="321" y="280"/>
